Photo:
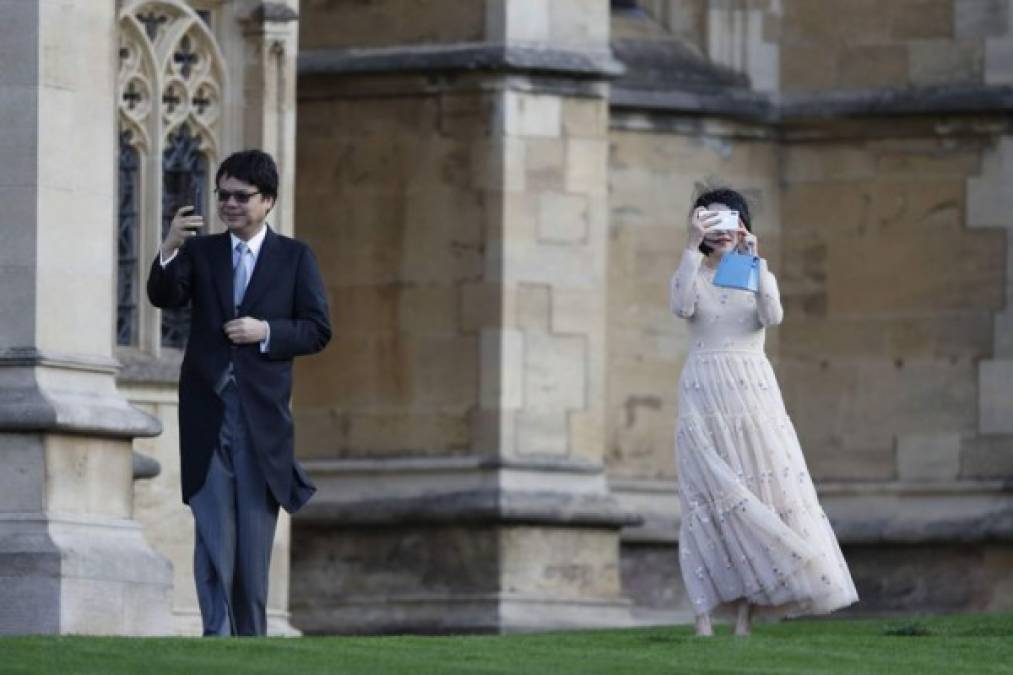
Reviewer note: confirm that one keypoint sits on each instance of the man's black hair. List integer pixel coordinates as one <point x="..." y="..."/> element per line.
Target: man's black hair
<point x="730" y="198"/>
<point x="254" y="167"/>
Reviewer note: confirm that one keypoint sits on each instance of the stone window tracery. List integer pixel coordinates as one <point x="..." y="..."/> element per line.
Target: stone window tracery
<point x="171" y="85"/>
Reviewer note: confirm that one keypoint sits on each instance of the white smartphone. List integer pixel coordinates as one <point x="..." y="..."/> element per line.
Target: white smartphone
<point x="729" y="220"/>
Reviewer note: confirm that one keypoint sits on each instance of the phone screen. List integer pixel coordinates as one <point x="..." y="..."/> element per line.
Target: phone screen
<point x="197" y="195"/>
<point x="195" y="198"/>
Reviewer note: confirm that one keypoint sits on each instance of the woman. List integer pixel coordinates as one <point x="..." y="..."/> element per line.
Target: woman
<point x="753" y="534"/>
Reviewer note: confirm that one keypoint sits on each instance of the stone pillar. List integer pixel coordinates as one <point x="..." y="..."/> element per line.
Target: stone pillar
<point x="72" y="559"/>
<point x="743" y="35"/>
<point x="271" y="36"/>
<point x="452" y="162"/>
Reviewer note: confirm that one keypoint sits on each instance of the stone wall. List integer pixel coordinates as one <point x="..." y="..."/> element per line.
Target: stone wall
<point x="868" y="44"/>
<point x="427" y="23"/>
<point x="400" y="376"/>
<point x="881" y="357"/>
<point x="454" y="188"/>
<point x="894" y="282"/>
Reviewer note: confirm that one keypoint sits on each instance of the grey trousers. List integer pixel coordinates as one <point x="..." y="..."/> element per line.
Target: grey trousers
<point x="235" y="516"/>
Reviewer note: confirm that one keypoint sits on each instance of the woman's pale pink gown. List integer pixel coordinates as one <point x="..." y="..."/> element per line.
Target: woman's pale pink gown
<point x="752" y="527"/>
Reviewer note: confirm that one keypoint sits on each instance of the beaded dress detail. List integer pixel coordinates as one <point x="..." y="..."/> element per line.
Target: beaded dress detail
<point x="752" y="526"/>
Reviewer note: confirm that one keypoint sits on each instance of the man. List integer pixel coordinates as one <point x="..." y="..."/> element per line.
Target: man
<point x="257" y="301"/>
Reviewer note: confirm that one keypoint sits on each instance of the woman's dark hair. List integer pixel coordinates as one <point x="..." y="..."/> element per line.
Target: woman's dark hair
<point x="254" y="167"/>
<point x="730" y="198"/>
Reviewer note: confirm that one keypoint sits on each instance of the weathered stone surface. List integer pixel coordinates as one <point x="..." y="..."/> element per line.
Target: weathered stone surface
<point x="534" y="307"/>
<point x="531" y="115"/>
<point x="651" y="579"/>
<point x="922" y="19"/>
<point x="998" y="58"/>
<point x="88" y="476"/>
<point x="327" y="23"/>
<point x="844" y="411"/>
<point x="938" y="62"/>
<point x="555" y="370"/>
<point x="443" y="371"/>
<point x="987" y="457"/>
<point x="963" y="279"/>
<point x="483" y="306"/>
<point x="502" y="374"/>
<point x="921" y="578"/>
<point x="431" y="566"/>
<point x="579" y="22"/>
<point x="995" y="400"/>
<point x="544" y="164"/>
<point x="911" y="42"/>
<point x="586" y="166"/>
<point x="542" y="432"/>
<point x="980" y="18"/>
<point x="22" y="483"/>
<point x="928" y="457"/>
<point x="584" y="117"/>
<point x="562" y="218"/>
<point x="576" y="564"/>
<point x="330" y="569"/>
<point x="93" y="578"/>
<point x="429" y="311"/>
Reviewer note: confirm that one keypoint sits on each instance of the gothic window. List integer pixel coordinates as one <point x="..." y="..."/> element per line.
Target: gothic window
<point x="126" y="245"/>
<point x="184" y="174"/>
<point x="170" y="88"/>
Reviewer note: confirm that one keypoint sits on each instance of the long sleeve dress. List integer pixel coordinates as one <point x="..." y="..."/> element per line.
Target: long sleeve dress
<point x="752" y="527"/>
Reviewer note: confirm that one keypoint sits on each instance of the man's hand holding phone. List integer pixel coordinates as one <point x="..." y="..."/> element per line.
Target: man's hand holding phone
<point x="184" y="226"/>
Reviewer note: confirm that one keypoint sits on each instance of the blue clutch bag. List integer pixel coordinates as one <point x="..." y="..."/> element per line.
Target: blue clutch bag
<point x="738" y="270"/>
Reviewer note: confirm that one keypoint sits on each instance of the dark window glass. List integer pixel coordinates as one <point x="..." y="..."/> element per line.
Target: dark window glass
<point x="126" y="242"/>
<point x="184" y="175"/>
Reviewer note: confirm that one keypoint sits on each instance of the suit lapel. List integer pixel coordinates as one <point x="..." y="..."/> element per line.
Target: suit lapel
<point x="221" y="264"/>
<point x="265" y="270"/>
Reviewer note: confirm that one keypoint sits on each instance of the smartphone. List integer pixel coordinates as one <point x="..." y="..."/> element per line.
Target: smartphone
<point x="197" y="201"/>
<point x="728" y="220"/>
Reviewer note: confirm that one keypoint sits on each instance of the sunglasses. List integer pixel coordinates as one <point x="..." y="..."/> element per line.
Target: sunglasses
<point x="241" y="197"/>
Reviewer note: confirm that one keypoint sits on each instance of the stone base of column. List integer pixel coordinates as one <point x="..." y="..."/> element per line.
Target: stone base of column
<point x="72" y="559"/>
<point x="457" y="546"/>
<point x="910" y="546"/>
<point x="80" y="575"/>
<point x="496" y="613"/>
<point x="651" y="576"/>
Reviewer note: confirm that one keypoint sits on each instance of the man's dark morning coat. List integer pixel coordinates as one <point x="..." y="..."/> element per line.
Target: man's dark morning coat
<point x="287" y="292"/>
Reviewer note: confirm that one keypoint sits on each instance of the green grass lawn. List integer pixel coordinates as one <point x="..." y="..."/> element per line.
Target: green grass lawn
<point x="972" y="644"/>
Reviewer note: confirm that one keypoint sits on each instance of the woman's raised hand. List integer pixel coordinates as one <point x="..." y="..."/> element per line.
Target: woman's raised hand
<point x="699" y="220"/>
<point x="747" y="241"/>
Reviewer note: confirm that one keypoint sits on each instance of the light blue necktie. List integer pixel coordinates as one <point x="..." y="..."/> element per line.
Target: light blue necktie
<point x="240" y="274"/>
<point x="240" y="279"/>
